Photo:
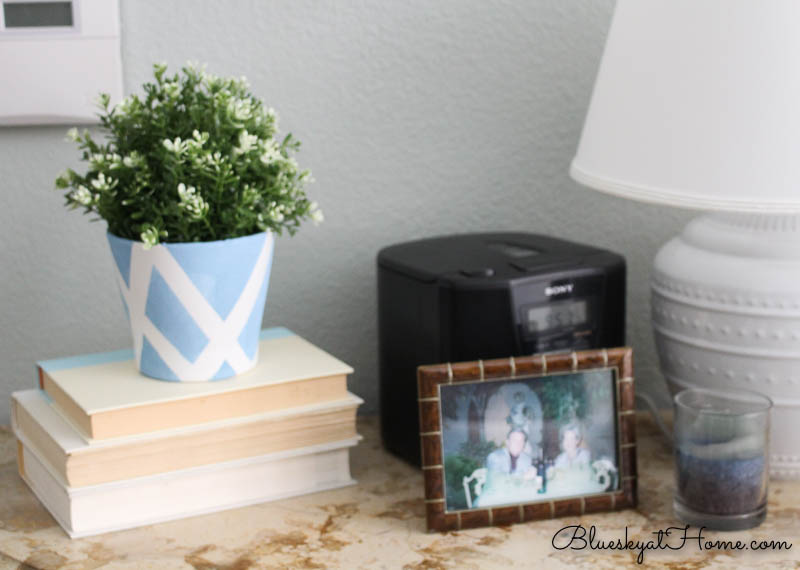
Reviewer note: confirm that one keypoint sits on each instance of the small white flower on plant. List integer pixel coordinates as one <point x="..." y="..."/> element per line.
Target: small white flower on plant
<point x="133" y="159"/>
<point x="276" y="214"/>
<point x="191" y="201"/>
<point x="103" y="183"/>
<point x="249" y="194"/>
<point x="267" y="115"/>
<point x="206" y="159"/>
<point x="123" y="106"/>
<point x="102" y="100"/>
<point x="200" y="138"/>
<point x="212" y="81"/>
<point x="272" y="152"/>
<point x="177" y="146"/>
<point x="82" y="196"/>
<point x="197" y="67"/>
<point x="63" y="180"/>
<point x="73" y="135"/>
<point x="316" y="214"/>
<point x="240" y="109"/>
<point x="97" y="160"/>
<point x="247" y="142"/>
<point x="197" y="141"/>
<point x="100" y="160"/>
<point x="172" y="89"/>
<point x="149" y="237"/>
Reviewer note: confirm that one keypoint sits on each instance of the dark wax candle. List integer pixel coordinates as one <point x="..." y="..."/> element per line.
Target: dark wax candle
<point x="721" y="486"/>
<point x="721" y="458"/>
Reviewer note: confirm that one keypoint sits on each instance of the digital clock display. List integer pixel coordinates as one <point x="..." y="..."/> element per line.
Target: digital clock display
<point x="557" y="316"/>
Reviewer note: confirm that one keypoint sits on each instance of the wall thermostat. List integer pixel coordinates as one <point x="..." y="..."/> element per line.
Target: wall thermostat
<point x="55" y="58"/>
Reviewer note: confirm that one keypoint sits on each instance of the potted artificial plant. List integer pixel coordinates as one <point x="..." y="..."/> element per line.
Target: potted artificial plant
<point x="194" y="184"/>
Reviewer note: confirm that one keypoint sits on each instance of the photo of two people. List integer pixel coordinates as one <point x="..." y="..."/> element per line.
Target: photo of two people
<point x="525" y="440"/>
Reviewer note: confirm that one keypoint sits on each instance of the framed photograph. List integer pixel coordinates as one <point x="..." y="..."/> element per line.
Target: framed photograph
<point x="519" y="439"/>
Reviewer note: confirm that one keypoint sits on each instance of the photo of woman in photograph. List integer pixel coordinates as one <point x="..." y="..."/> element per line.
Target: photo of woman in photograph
<point x="573" y="455"/>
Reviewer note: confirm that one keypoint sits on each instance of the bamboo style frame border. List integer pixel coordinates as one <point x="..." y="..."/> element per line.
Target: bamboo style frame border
<point x="429" y="380"/>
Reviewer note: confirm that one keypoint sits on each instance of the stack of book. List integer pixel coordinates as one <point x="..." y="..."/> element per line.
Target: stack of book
<point x="105" y="448"/>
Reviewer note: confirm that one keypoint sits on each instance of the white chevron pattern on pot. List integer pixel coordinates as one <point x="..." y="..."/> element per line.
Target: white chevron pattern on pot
<point x="223" y="334"/>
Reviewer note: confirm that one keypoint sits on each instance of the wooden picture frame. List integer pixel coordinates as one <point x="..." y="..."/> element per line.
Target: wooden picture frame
<point x="437" y="383"/>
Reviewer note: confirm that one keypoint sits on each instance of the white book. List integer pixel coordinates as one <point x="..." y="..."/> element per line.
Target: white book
<point x="97" y="509"/>
<point x="78" y="462"/>
<point x="106" y="396"/>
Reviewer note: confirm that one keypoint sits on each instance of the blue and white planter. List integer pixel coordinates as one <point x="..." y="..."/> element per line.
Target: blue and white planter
<point x="195" y="308"/>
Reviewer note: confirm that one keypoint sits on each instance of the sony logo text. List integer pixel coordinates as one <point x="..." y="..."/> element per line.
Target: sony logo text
<point x="558" y="289"/>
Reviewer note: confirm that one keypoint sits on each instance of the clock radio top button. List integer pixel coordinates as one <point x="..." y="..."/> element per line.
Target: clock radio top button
<point x="544" y="265"/>
<point x="480" y="272"/>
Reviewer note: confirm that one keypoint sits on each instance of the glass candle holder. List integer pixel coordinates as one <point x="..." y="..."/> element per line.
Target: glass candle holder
<point x="721" y="458"/>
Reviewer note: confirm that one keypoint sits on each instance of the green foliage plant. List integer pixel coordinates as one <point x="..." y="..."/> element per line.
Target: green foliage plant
<point x="195" y="158"/>
<point x="456" y="467"/>
<point x="477" y="450"/>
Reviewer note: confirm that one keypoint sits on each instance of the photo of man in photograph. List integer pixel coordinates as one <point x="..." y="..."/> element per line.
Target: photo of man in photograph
<point x="511" y="459"/>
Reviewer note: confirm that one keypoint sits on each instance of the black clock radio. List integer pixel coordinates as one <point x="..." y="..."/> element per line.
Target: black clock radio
<point x="481" y="296"/>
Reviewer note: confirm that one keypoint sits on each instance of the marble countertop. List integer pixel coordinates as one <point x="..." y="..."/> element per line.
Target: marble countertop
<point x="380" y="524"/>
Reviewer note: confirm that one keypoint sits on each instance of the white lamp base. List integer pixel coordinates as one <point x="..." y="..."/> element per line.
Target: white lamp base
<point x="726" y="314"/>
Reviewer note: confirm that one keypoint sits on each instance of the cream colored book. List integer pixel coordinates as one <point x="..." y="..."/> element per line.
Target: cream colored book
<point x="80" y="463"/>
<point x="97" y="509"/>
<point x="105" y="396"/>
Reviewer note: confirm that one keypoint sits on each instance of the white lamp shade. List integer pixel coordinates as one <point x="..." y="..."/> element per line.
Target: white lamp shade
<point x="697" y="104"/>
